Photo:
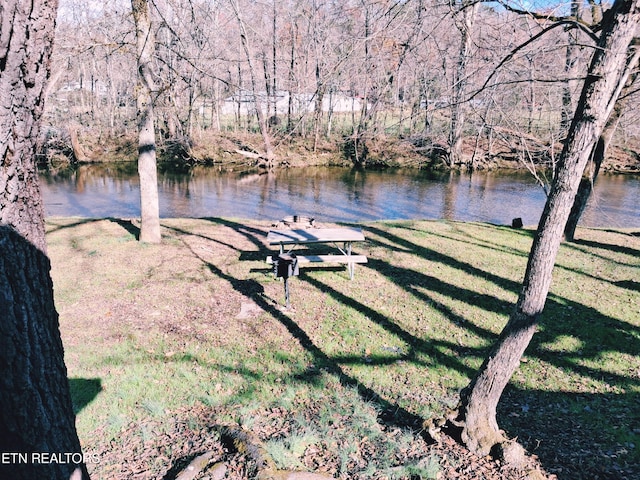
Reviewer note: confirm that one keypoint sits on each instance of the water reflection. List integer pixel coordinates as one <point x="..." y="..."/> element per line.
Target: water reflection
<point x="330" y="194"/>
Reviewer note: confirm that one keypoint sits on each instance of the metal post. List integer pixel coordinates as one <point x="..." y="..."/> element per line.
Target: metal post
<point x="285" y="266"/>
<point x="350" y="266"/>
<point x="286" y="292"/>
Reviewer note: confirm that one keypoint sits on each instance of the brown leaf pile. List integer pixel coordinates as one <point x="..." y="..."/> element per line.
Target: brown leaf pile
<point x="155" y="450"/>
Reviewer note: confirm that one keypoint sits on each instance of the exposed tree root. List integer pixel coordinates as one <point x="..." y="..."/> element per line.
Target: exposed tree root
<point x="481" y="440"/>
<point x="238" y="440"/>
<point x="197" y="465"/>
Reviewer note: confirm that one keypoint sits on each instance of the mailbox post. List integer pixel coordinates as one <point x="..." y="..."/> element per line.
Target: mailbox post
<point x="285" y="265"/>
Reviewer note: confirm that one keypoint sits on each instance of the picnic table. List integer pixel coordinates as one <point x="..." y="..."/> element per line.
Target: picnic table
<point x="341" y="238"/>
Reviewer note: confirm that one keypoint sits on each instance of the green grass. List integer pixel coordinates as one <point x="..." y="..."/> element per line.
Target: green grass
<point x="149" y="330"/>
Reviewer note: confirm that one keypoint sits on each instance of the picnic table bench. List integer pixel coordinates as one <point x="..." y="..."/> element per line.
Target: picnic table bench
<point x="341" y="238"/>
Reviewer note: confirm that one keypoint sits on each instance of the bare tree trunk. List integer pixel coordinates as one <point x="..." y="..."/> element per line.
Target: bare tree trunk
<point x="22" y="85"/>
<point x="607" y="75"/>
<point x="292" y="64"/>
<point x="36" y="413"/>
<point x="319" y="47"/>
<point x="570" y="66"/>
<point x="318" y="112"/>
<point x="147" y="167"/>
<point x="76" y="146"/>
<point x="587" y="182"/>
<point x="269" y="155"/>
<point x="267" y="88"/>
<point x="456" y="130"/>
<point x="274" y="61"/>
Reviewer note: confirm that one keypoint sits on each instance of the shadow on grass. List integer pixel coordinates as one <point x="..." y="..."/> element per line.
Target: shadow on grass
<point x="606" y="419"/>
<point x="389" y="412"/>
<point x="629" y="285"/>
<point x="562" y="317"/>
<point x="54" y="227"/>
<point x="632" y="252"/>
<point x="83" y="392"/>
<point x="607" y="412"/>
<point x="128" y="226"/>
<point x="255" y="235"/>
<point x="577" y="436"/>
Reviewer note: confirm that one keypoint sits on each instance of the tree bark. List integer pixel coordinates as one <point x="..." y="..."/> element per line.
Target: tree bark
<point x="456" y="128"/>
<point x="570" y="66"/>
<point x="147" y="165"/>
<point x="25" y="50"/>
<point x="608" y="72"/>
<point x="587" y="183"/>
<point x="269" y="155"/>
<point x="36" y="413"/>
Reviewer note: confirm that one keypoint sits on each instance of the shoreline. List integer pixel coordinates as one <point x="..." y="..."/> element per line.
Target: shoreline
<point x="227" y="149"/>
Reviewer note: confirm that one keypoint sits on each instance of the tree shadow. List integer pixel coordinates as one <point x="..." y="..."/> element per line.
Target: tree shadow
<point x="562" y="318"/>
<point x="83" y="392"/>
<point x="52" y="226"/>
<point x="579" y="436"/>
<point x="435" y="256"/>
<point x="127" y="225"/>
<point x="255" y="235"/>
<point x="389" y="413"/>
<point x="593" y="335"/>
<point x="628" y="284"/>
<point x="417" y="345"/>
<point x="633" y="252"/>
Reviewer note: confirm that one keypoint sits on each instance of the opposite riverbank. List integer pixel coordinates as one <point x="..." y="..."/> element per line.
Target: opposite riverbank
<point x="169" y="346"/>
<point x="207" y="148"/>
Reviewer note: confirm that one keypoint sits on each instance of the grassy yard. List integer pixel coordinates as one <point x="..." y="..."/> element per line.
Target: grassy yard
<point x="166" y="344"/>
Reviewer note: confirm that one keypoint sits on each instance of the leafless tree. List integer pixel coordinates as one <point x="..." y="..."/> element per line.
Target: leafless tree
<point x="465" y="21"/>
<point x="147" y="168"/>
<point x="609" y="70"/>
<point x="599" y="152"/>
<point x="411" y="69"/>
<point x="269" y="154"/>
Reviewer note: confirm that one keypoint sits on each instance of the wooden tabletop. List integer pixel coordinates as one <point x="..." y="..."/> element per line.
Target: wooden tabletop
<point x="315" y="235"/>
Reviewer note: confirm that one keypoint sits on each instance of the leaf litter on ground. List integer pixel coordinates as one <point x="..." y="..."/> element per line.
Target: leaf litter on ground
<point x="186" y="337"/>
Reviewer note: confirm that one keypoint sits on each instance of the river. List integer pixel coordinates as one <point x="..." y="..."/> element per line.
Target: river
<point x="331" y="195"/>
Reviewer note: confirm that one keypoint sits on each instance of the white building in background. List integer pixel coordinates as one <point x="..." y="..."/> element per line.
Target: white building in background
<point x="244" y="103"/>
<point x="97" y="87"/>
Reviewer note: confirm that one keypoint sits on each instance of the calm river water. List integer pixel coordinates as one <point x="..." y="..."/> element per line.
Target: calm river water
<point x="331" y="195"/>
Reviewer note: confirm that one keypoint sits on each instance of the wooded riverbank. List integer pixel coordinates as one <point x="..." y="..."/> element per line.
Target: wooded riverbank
<point x="73" y="146"/>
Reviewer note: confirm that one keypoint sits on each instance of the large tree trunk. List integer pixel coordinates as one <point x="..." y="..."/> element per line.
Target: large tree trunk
<point x="607" y="74"/>
<point x="587" y="182"/>
<point x="26" y="36"/>
<point x="36" y="414"/>
<point x="147" y="165"/>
